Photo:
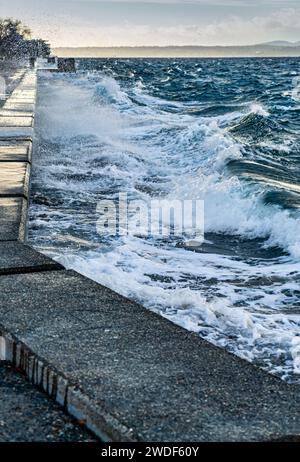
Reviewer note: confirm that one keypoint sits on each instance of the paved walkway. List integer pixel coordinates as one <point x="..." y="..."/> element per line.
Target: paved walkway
<point x="28" y="415"/>
<point x="130" y="374"/>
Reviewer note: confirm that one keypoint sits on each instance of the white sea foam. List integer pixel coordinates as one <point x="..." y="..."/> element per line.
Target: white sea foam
<point x="259" y="109"/>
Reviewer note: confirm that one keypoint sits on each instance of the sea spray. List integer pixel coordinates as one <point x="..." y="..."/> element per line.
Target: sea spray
<point x="165" y="129"/>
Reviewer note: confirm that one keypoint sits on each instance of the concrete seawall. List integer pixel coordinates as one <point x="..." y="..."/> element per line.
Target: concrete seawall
<point x="129" y="374"/>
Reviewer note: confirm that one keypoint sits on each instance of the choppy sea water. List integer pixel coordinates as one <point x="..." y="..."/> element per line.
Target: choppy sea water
<point x="222" y="130"/>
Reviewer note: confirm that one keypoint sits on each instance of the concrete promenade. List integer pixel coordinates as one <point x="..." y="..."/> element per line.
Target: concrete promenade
<point x="129" y="374"/>
<point x="28" y="415"/>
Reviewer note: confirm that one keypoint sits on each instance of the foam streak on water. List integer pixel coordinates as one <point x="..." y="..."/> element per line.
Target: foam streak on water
<point x="181" y="129"/>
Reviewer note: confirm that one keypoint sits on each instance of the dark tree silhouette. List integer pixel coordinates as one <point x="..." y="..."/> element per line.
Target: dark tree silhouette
<point x="16" y="42"/>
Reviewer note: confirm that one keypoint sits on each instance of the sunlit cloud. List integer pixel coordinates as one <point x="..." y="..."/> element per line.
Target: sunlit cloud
<point x="231" y="31"/>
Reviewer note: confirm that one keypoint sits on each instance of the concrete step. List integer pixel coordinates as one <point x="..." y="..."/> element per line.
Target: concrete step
<point x="15" y="113"/>
<point x="13" y="213"/>
<point x="15" y="133"/>
<point x="132" y="375"/>
<point x="19" y="106"/>
<point x="15" y="121"/>
<point x="15" y="257"/>
<point x="15" y="151"/>
<point x="13" y="139"/>
<point x="14" y="179"/>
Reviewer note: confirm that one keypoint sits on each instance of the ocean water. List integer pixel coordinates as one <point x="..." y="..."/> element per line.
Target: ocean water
<point x="225" y="131"/>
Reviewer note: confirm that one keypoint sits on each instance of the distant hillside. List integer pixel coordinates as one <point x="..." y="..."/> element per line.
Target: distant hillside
<point x="273" y="49"/>
<point x="282" y="43"/>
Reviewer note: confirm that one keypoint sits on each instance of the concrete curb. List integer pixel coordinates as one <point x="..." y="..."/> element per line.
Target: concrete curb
<point x="59" y="388"/>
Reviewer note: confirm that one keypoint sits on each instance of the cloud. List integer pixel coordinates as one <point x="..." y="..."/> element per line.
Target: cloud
<point x="278" y="3"/>
<point x="91" y="23"/>
<point x="233" y="30"/>
<point x="283" y="24"/>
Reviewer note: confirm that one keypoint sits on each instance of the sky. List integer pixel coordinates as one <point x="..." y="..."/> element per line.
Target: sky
<point x="76" y="23"/>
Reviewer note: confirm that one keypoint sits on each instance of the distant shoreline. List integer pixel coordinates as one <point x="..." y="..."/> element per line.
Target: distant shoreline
<point x="253" y="51"/>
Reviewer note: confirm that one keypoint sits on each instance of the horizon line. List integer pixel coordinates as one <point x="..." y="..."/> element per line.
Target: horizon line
<point x="269" y="44"/>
